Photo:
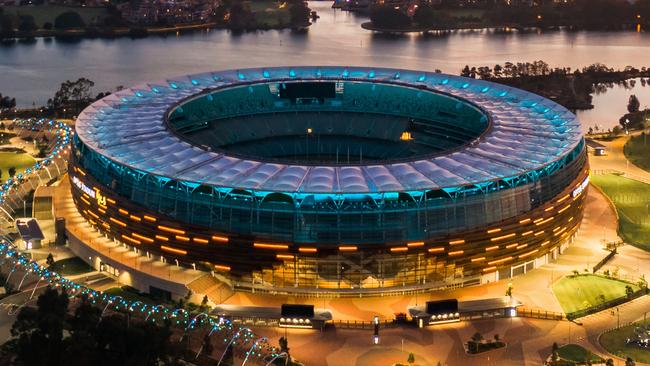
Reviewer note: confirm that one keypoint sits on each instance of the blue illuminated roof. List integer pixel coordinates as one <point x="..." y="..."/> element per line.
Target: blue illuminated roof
<point x="528" y="133"/>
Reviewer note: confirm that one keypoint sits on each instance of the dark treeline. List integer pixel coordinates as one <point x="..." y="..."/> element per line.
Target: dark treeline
<point x="7" y="102"/>
<point x="577" y="14"/>
<point x="574" y="14"/>
<point x="569" y="87"/>
<point x="53" y="334"/>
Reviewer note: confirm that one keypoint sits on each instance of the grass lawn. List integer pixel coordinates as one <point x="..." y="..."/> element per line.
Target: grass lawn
<point x="20" y="161"/>
<point x="71" y="266"/>
<point x="5" y="137"/>
<point x="632" y="200"/>
<point x="131" y="294"/>
<point x="580" y="292"/>
<point x="576" y="353"/>
<point x="614" y="343"/>
<point x="637" y="150"/>
<point x="47" y="13"/>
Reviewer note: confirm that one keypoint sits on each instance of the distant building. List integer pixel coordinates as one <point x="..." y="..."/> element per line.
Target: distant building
<point x="148" y="12"/>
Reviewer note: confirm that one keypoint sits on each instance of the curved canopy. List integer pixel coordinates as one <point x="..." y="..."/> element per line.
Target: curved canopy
<point x="528" y="133"/>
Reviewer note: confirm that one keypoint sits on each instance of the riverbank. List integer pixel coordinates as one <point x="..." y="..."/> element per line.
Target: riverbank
<point x="469" y="26"/>
<point x="134" y="32"/>
<point x="26" y="23"/>
<point x="573" y="89"/>
<point x="93" y="32"/>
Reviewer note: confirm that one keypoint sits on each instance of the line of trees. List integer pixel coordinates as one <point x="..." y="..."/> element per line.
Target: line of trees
<point x="12" y="25"/>
<point x="68" y="101"/>
<point x="569" y="87"/>
<point x="51" y="335"/>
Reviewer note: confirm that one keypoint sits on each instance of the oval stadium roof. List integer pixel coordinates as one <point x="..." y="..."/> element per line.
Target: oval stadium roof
<point x="528" y="133"/>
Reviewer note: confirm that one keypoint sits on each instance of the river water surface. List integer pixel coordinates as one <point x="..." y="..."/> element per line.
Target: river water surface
<point x="33" y="71"/>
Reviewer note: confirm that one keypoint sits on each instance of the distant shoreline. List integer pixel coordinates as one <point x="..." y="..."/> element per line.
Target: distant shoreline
<point x="473" y="26"/>
<point x="135" y="31"/>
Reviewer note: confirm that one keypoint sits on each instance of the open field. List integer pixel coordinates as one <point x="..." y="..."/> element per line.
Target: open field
<point x="583" y="291"/>
<point x="131" y="294"/>
<point x="71" y="266"/>
<point x="632" y="201"/>
<point x="637" y="150"/>
<point x="47" y="13"/>
<point x="615" y="343"/>
<point x="20" y="161"/>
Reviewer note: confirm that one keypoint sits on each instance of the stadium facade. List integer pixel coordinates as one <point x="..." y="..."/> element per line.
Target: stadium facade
<point x="341" y="179"/>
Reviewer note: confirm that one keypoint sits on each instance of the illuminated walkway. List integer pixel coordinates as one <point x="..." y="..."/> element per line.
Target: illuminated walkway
<point x="125" y="259"/>
<point x="533" y="288"/>
<point x="615" y="159"/>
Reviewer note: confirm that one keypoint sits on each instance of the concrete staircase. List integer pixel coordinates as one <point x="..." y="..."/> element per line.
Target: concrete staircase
<point x="216" y="291"/>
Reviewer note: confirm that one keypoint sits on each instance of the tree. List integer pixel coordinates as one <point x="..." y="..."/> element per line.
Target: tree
<point x="284" y="347"/>
<point x="12" y="171"/>
<point x="498" y="69"/>
<point x="41" y="329"/>
<point x="411" y="359"/>
<point x="629" y="362"/>
<point x="69" y="20"/>
<point x="555" y="353"/>
<point x="27" y="24"/>
<point x="629" y="291"/>
<point x="477" y="337"/>
<point x="475" y="341"/>
<point x="465" y="72"/>
<point x="633" y="104"/>
<point x="299" y="14"/>
<point x="6" y="26"/>
<point x="387" y="17"/>
<point x="50" y="260"/>
<point x="609" y="362"/>
<point x="426" y="17"/>
<point x="509" y="290"/>
<point x="72" y="96"/>
<point x="204" y="307"/>
<point x="240" y="17"/>
<point x="7" y="102"/>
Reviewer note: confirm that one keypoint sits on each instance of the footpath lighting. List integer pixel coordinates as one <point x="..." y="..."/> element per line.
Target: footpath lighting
<point x="375" y="335"/>
<point x="10" y="254"/>
<point x="62" y="133"/>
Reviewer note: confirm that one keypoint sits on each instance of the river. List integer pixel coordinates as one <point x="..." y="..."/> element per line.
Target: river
<point x="31" y="72"/>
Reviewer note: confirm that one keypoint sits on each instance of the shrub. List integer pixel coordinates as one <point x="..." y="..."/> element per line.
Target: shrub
<point x="69" y="20"/>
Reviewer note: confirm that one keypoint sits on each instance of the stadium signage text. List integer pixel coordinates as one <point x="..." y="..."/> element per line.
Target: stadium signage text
<point x="576" y="192"/>
<point x="84" y="188"/>
<point x="92" y="192"/>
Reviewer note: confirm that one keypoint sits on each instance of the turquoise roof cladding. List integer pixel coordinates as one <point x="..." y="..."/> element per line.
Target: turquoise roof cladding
<point x="528" y="133"/>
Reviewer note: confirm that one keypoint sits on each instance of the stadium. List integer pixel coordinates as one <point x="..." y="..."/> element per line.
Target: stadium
<point x="333" y="179"/>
